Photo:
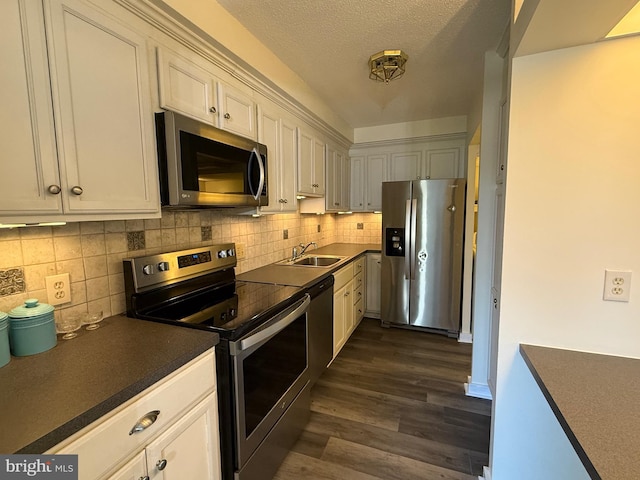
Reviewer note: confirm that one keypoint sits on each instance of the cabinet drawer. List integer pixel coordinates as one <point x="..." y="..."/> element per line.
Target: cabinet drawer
<point x="358" y="293"/>
<point x="358" y="280"/>
<point x="358" y="312"/>
<point x="342" y="277"/>
<point x="107" y="442"/>
<point x="358" y="266"/>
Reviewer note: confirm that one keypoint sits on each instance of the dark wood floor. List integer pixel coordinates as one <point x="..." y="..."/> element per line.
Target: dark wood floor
<point x="392" y="406"/>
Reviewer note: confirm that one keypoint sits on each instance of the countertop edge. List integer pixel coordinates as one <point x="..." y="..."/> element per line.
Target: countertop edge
<point x="575" y="443"/>
<point x="103" y="408"/>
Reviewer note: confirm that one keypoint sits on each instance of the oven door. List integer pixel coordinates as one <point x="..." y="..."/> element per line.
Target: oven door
<point x="269" y="371"/>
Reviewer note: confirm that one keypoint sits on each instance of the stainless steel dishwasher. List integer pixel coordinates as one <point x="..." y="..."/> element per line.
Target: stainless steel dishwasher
<point x="320" y="325"/>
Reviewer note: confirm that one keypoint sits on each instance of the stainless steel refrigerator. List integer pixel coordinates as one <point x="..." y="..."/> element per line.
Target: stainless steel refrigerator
<point x="422" y="238"/>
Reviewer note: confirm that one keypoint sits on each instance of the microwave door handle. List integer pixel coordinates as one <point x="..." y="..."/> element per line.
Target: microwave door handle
<point x="254" y="153"/>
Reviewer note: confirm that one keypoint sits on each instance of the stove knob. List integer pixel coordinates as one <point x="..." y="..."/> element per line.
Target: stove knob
<point x="233" y="313"/>
<point x="163" y="266"/>
<point x="231" y="252"/>
<point x="148" y="270"/>
<point x="223" y="316"/>
<point x="222" y="254"/>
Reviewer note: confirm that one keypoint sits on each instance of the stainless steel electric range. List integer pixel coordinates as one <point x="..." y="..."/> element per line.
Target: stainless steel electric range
<point x="261" y="361"/>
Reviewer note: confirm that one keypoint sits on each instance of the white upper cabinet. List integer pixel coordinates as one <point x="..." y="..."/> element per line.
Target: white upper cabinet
<point x="191" y="90"/>
<point x="405" y="165"/>
<point x="29" y="165"/>
<point x="185" y="88"/>
<point x="237" y="111"/>
<point x="280" y="137"/>
<point x="367" y="174"/>
<point x="337" y="180"/>
<point x="310" y="164"/>
<point x="442" y="163"/>
<point x="94" y="72"/>
<point x="101" y="98"/>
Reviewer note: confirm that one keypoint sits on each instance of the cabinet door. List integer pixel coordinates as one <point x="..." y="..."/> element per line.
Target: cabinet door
<point x="289" y="163"/>
<point x="305" y="162"/>
<point x="349" y="318"/>
<point x="334" y="181"/>
<point x="345" y="184"/>
<point x="318" y="167"/>
<point x="189" y="448"/>
<point x="357" y="181"/>
<point x="404" y="166"/>
<point x="136" y="469"/>
<point x="373" y="284"/>
<point x="269" y="128"/>
<point x="101" y="98"/>
<point x="443" y="163"/>
<point x="237" y="111"/>
<point x="29" y="166"/>
<point x="339" y="320"/>
<point x="376" y="174"/>
<point x="185" y="88"/>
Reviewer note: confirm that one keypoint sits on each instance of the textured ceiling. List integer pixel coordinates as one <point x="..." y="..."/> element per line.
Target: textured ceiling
<point x="328" y="43"/>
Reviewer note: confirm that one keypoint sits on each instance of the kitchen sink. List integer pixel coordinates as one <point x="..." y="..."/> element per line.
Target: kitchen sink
<point x="313" y="261"/>
<point x="316" y="261"/>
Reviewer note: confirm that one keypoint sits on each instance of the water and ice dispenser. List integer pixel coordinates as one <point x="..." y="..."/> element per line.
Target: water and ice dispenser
<point x="394" y="241"/>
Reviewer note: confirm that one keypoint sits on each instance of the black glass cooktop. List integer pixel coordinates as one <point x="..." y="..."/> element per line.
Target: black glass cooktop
<point x="231" y="309"/>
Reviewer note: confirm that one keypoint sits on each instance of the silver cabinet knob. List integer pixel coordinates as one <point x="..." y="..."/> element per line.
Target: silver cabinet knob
<point x="213" y="110"/>
<point x="54" y="189"/>
<point x="146" y="421"/>
<point x="227" y="116"/>
<point x="452" y="208"/>
<point x="76" y="190"/>
<point x="161" y="464"/>
<point x="146" y="477"/>
<point x="286" y="201"/>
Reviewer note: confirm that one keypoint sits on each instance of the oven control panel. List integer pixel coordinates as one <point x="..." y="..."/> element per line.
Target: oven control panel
<point x="154" y="270"/>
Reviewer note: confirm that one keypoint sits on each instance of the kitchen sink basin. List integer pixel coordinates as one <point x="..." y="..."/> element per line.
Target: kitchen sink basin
<point x="313" y="261"/>
<point x="316" y="261"/>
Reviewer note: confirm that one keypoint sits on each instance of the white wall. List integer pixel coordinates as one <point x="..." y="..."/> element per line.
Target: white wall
<point x="421" y="128"/>
<point x="571" y="211"/>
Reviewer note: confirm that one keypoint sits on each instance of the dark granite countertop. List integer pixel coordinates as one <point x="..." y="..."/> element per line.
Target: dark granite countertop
<point x="47" y="397"/>
<point x="596" y="399"/>
<point x="304" y="276"/>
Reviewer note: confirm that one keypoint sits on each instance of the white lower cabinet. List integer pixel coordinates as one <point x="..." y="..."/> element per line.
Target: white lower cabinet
<point x="374" y="268"/>
<point x="188" y="449"/>
<point x="348" y="302"/>
<point x="177" y="435"/>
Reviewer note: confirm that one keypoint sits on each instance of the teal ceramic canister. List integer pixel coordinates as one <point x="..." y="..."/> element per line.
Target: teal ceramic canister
<point x="5" y="353"/>
<point x="32" y="328"/>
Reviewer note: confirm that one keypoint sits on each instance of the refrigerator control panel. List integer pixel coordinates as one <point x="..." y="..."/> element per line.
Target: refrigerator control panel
<point x="394" y="241"/>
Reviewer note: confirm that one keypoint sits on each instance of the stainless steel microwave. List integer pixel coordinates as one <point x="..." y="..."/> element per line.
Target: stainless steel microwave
<point x="201" y="165"/>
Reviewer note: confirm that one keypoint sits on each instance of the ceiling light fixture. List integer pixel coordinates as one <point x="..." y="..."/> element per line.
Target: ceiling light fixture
<point x="387" y="65"/>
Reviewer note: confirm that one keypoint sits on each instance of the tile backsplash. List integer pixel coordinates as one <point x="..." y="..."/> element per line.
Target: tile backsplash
<point x="92" y="252"/>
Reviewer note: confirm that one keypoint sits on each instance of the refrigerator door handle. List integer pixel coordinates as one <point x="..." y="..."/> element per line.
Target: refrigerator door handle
<point x="412" y="251"/>
<point x="407" y="241"/>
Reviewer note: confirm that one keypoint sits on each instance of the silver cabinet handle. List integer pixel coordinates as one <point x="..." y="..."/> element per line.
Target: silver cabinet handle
<point x="227" y="116"/>
<point x="145" y="422"/>
<point x="146" y="477"/>
<point x="76" y="190"/>
<point x="161" y="464"/>
<point x="213" y="109"/>
<point x="54" y="189"/>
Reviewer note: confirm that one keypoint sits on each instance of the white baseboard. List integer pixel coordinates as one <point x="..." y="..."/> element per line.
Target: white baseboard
<point x="465" y="337"/>
<point x="486" y="474"/>
<point x="477" y="390"/>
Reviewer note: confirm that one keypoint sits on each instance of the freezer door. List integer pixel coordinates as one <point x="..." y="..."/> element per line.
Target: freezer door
<point x="394" y="284"/>
<point x="437" y="220"/>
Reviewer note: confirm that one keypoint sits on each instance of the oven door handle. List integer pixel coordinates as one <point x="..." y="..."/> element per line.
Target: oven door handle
<point x="271" y="330"/>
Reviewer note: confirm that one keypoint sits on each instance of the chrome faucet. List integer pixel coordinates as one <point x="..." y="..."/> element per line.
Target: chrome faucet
<point x="294" y="253"/>
<point x="304" y="247"/>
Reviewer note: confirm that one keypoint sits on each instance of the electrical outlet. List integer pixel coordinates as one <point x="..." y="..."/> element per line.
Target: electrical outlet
<point x="239" y="250"/>
<point x="58" y="289"/>
<point x="285" y="234"/>
<point x="617" y="285"/>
